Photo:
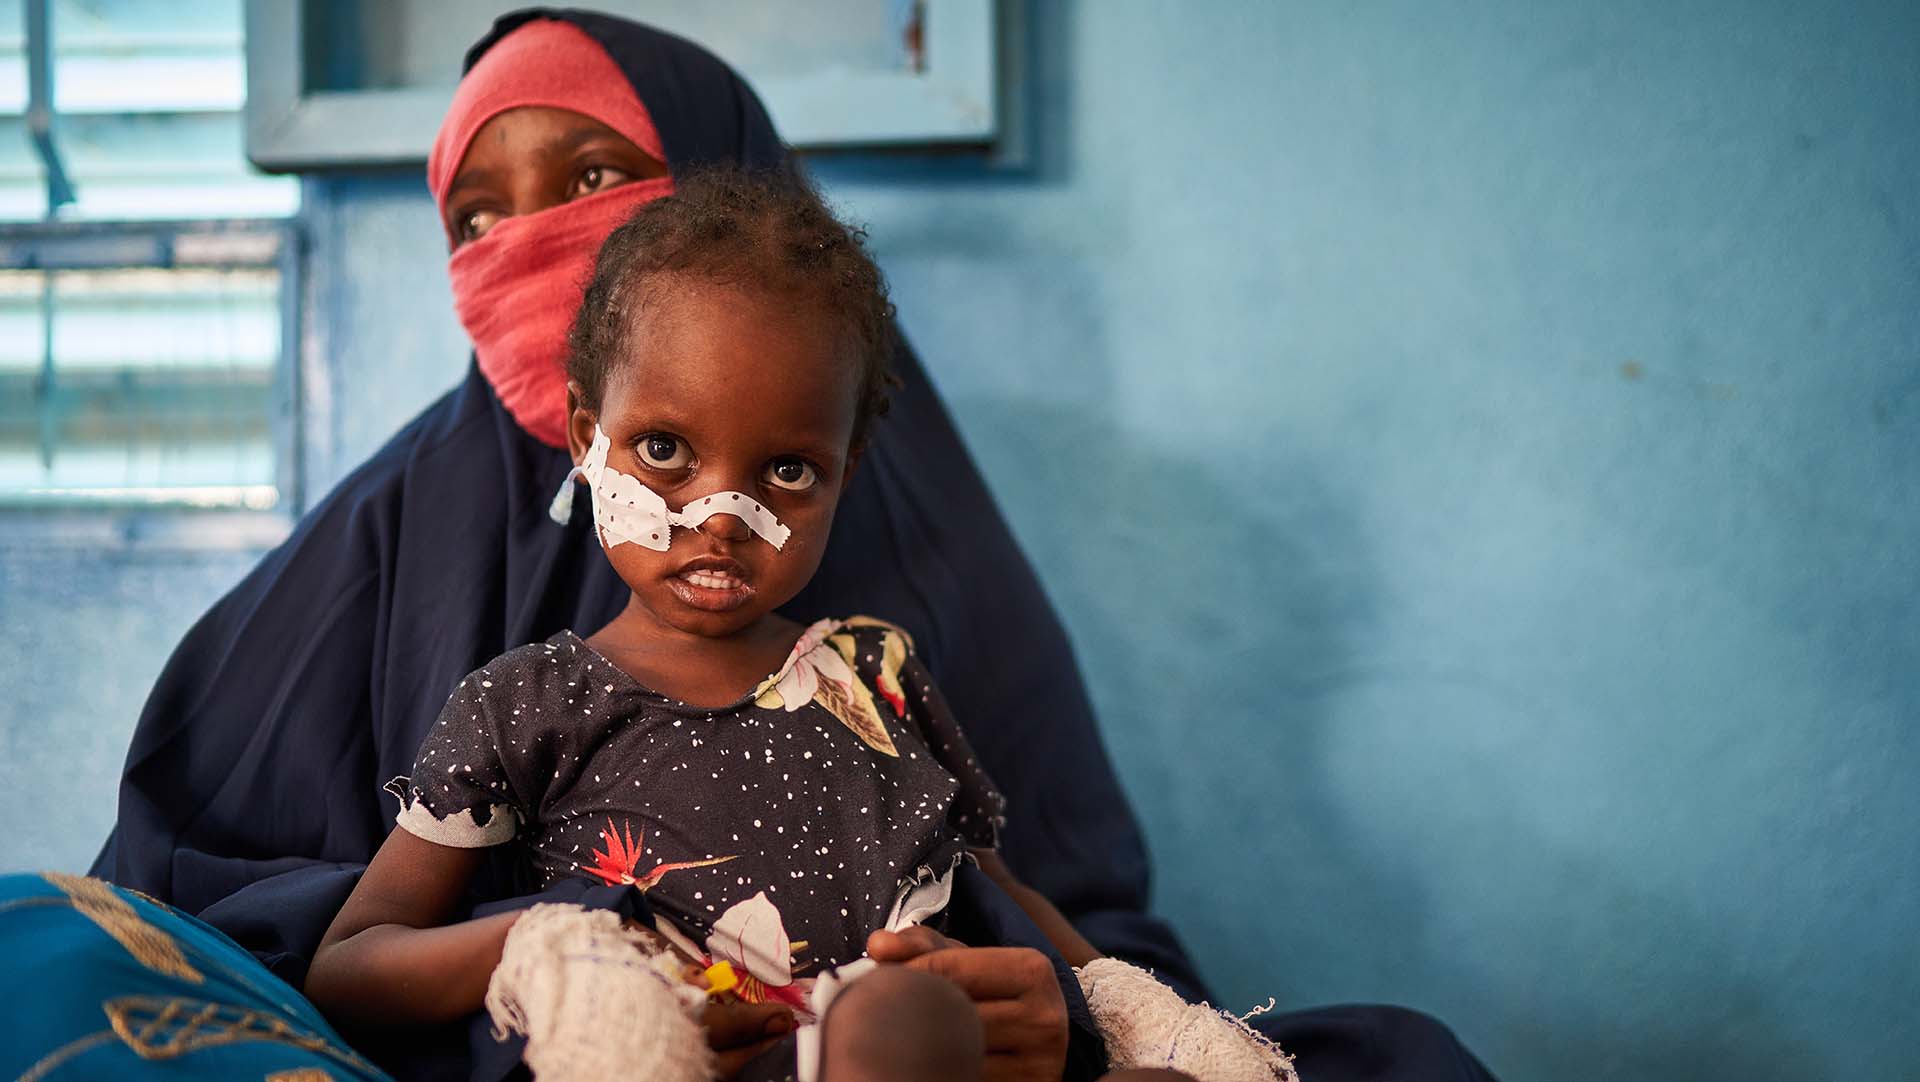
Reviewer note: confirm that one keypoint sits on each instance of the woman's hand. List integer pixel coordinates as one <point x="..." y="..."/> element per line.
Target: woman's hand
<point x="737" y="1032"/>
<point x="1013" y="988"/>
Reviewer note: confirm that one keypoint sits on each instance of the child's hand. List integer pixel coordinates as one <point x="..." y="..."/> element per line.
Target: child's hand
<point x="737" y="1032"/>
<point x="1014" y="989"/>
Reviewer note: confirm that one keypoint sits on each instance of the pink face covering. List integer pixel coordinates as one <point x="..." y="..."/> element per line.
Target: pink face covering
<point x="516" y="289"/>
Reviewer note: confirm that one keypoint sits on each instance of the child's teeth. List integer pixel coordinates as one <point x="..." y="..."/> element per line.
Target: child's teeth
<point x="712" y="580"/>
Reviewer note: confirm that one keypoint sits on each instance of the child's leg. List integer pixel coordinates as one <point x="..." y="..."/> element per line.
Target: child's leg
<point x="901" y="1025"/>
<point x="1146" y="1074"/>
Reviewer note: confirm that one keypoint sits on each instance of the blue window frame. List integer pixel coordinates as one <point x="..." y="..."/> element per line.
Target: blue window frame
<point x="365" y="82"/>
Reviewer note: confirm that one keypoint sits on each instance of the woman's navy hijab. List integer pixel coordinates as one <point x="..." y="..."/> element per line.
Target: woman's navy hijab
<point x="252" y="790"/>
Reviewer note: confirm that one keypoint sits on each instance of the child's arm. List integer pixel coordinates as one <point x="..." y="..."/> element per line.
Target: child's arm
<point x="387" y="960"/>
<point x="1060" y="931"/>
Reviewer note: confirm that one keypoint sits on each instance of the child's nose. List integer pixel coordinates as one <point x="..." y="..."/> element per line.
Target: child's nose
<point x="725" y="527"/>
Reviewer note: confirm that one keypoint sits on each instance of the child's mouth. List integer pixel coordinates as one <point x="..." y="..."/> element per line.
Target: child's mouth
<point x="714" y="589"/>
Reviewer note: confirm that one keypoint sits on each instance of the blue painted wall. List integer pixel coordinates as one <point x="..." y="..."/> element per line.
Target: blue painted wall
<point x="1475" y="448"/>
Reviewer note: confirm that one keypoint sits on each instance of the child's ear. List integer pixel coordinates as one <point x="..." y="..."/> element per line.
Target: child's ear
<point x="581" y="422"/>
<point x="853" y="464"/>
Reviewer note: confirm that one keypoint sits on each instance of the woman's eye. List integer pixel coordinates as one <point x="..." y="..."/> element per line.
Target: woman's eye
<point x="475" y="224"/>
<point x="792" y="474"/>
<point x="599" y="178"/>
<point x="664" y="452"/>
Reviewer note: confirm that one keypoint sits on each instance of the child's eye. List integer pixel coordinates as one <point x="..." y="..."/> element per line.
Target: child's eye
<point x="792" y="474"/>
<point x="664" y="452"/>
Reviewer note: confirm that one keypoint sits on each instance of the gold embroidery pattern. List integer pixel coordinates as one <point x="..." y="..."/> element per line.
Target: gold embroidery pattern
<point x="150" y="946"/>
<point x="167" y="1027"/>
<point x="299" y="1074"/>
<point x="145" y="897"/>
<point x="58" y="1058"/>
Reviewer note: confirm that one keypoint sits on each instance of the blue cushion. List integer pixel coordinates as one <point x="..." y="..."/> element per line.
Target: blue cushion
<point x="107" y="983"/>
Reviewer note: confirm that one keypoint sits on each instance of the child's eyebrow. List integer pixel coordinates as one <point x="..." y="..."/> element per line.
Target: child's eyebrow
<point x="823" y="450"/>
<point x="821" y="446"/>
<point x="826" y="450"/>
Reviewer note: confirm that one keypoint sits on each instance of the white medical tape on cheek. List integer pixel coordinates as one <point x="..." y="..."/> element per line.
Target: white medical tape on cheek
<point x="626" y="510"/>
<point x="623" y="509"/>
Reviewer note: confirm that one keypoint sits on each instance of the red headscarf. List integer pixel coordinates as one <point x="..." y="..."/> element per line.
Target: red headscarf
<point x="516" y="289"/>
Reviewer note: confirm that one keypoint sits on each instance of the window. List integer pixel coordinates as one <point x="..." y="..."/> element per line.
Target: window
<point x="146" y="324"/>
<point x="359" y="82"/>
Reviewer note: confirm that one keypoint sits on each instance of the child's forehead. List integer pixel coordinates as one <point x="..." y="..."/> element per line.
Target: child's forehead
<point x="700" y="335"/>
<point x="704" y="351"/>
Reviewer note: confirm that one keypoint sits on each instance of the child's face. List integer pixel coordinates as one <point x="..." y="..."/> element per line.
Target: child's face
<point x="726" y="389"/>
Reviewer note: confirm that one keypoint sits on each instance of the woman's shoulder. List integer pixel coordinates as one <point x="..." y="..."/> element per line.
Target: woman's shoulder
<point x="369" y="494"/>
<point x="451" y="446"/>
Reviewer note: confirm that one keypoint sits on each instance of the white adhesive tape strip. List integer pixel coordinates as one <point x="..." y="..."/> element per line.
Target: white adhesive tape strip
<point x="625" y="510"/>
<point x="758" y="519"/>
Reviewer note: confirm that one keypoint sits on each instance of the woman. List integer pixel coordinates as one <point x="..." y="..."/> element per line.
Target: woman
<point x="252" y="790"/>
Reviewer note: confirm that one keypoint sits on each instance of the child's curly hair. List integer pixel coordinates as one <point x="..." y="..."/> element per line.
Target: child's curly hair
<point x="764" y="230"/>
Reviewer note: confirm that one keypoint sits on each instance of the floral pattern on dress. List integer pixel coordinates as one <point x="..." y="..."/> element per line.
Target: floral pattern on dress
<point x="751" y="937"/>
<point x="894" y="647"/>
<point x="615" y="866"/>
<point x="820" y="670"/>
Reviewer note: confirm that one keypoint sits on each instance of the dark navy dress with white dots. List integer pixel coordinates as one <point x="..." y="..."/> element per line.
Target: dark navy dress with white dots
<point x="792" y="791"/>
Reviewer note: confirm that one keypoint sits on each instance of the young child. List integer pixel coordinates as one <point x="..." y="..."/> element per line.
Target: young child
<point x="778" y="793"/>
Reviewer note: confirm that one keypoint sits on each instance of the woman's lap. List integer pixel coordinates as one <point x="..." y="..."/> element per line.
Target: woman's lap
<point x="111" y="983"/>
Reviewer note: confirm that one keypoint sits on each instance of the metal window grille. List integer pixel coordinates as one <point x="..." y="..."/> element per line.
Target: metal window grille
<point x="148" y="282"/>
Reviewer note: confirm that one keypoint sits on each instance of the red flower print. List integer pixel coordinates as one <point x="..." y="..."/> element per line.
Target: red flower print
<point x="616" y="865"/>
